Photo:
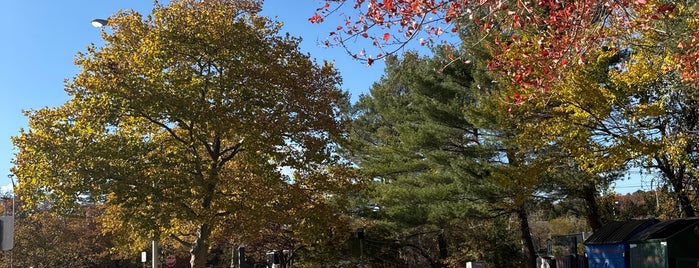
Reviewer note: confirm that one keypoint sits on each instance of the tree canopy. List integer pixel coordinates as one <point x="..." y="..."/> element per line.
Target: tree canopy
<point x="201" y="126"/>
<point x="445" y="154"/>
<point x="190" y="122"/>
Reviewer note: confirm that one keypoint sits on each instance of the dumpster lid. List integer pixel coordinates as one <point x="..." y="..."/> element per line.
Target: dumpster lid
<point x="664" y="229"/>
<point x="618" y="231"/>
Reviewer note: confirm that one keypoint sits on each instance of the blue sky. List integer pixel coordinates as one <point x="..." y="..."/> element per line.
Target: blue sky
<point x="40" y="39"/>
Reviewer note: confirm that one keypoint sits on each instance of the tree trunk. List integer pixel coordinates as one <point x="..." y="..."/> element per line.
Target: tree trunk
<point x="200" y="249"/>
<point x="686" y="204"/>
<point x="676" y="176"/>
<point x="683" y="196"/>
<point x="527" y="237"/>
<point x="443" y="252"/>
<point x="589" y="194"/>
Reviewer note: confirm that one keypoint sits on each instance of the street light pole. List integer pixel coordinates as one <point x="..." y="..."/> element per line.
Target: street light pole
<point x="7" y="222"/>
<point x="154" y="258"/>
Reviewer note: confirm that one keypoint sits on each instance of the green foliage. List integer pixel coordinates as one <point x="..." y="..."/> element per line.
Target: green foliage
<point x="437" y="143"/>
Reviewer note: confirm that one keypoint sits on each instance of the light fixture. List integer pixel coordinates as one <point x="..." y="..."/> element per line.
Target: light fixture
<point x="99" y="23"/>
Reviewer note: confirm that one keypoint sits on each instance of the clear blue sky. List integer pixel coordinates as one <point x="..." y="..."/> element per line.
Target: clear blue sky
<point x="40" y="39"/>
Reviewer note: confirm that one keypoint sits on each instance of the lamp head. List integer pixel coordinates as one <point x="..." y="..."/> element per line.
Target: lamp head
<point x="99" y="22"/>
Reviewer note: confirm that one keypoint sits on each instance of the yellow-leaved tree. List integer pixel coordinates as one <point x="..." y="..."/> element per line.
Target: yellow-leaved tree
<point x="196" y="121"/>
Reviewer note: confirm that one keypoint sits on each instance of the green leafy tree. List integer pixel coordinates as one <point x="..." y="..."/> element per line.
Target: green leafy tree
<point x="183" y="125"/>
<point x="407" y="135"/>
<point x="437" y="142"/>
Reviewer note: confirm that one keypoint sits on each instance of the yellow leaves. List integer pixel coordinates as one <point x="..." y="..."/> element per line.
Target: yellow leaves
<point x="157" y="120"/>
<point x="673" y="148"/>
<point x="693" y="22"/>
<point x="645" y="110"/>
<point x="645" y="69"/>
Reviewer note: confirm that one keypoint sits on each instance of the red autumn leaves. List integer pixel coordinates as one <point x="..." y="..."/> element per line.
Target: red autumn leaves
<point x="532" y="41"/>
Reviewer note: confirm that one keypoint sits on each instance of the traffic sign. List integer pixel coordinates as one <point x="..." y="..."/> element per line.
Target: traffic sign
<point x="171" y="260"/>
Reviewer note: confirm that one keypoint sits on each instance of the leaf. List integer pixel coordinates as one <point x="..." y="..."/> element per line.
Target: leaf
<point x="386" y="36"/>
<point x="316" y="18"/>
<point x="324" y="7"/>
